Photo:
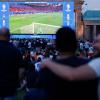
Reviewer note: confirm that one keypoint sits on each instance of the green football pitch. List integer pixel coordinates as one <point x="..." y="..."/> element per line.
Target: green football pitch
<point x="38" y="23"/>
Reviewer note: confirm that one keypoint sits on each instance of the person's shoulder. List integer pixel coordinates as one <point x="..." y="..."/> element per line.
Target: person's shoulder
<point x="74" y="59"/>
<point x="77" y="61"/>
<point x="95" y="65"/>
<point x="97" y="59"/>
<point x="83" y="59"/>
<point x="14" y="48"/>
<point x="96" y="56"/>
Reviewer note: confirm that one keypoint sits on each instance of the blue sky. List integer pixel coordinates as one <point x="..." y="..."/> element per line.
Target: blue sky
<point x="92" y="4"/>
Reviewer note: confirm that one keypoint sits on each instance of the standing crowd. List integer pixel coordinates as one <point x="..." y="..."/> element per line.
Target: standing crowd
<point x="71" y="72"/>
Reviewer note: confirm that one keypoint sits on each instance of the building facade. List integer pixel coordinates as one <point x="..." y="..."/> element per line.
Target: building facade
<point x="87" y="24"/>
<point x="91" y="24"/>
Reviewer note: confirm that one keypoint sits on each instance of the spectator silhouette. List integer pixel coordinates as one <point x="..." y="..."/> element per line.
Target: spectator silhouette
<point x="58" y="88"/>
<point x="11" y="66"/>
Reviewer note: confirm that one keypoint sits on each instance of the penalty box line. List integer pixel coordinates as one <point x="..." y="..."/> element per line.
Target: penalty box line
<point x="46" y="25"/>
<point x="33" y="26"/>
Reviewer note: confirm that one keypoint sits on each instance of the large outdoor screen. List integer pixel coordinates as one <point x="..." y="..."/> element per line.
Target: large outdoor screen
<point x="35" y="18"/>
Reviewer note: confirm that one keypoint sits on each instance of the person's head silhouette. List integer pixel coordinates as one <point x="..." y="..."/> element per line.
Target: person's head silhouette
<point x="66" y="40"/>
<point x="4" y="34"/>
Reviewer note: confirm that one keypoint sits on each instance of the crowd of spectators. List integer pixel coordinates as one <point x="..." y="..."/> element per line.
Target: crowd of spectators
<point x="34" y="51"/>
<point x="44" y="84"/>
<point x="34" y="8"/>
<point x="35" y="47"/>
<point x="84" y="48"/>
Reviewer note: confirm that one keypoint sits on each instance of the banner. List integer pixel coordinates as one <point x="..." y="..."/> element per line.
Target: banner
<point x="68" y="14"/>
<point x="4" y="14"/>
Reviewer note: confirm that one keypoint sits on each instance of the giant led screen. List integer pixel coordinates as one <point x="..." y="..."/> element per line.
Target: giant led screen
<point x="35" y="18"/>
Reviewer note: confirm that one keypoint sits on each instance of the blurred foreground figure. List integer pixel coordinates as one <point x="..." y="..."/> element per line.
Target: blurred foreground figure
<point x="89" y="71"/>
<point x="85" y="72"/>
<point x="59" y="88"/>
<point x="11" y="64"/>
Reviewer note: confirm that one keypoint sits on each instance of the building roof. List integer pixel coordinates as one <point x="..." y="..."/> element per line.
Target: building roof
<point x="92" y="15"/>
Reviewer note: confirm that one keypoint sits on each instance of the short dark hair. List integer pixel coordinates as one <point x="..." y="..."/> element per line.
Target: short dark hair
<point x="5" y="32"/>
<point x="66" y="40"/>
